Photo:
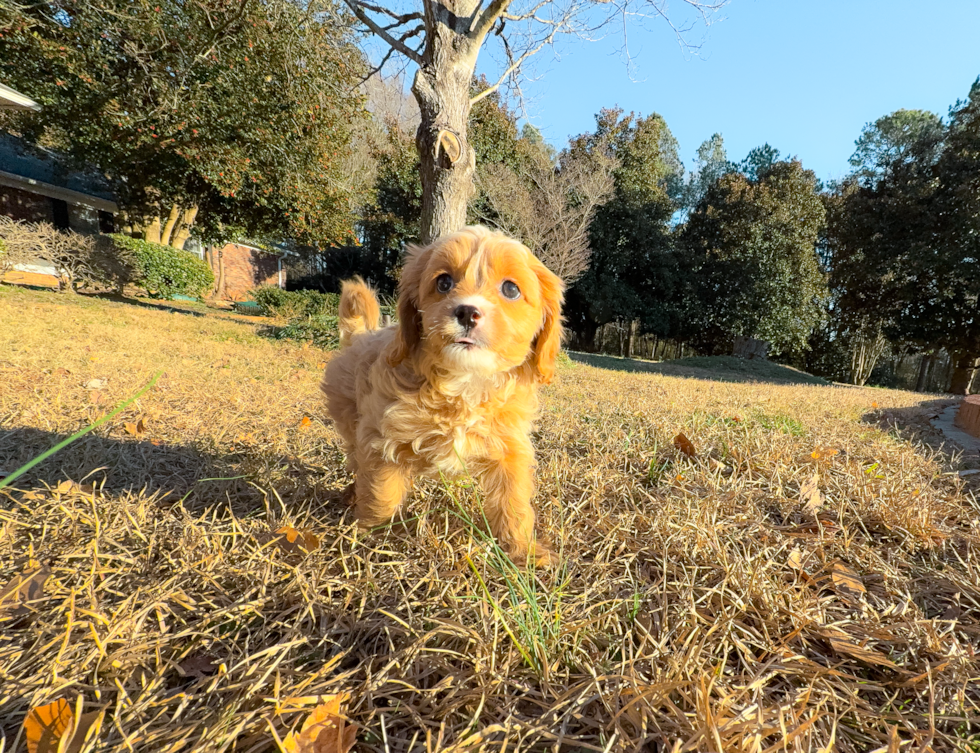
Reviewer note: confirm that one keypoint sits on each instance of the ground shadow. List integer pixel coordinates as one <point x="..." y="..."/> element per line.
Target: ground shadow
<point x="171" y="472"/>
<point x="161" y="306"/>
<point x="718" y="369"/>
<point x="916" y="424"/>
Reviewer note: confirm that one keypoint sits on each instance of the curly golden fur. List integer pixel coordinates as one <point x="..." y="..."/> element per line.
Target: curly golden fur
<point x="453" y="385"/>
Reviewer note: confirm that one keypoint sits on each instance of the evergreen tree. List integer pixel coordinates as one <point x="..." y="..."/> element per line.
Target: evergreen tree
<point x="633" y="274"/>
<point x="752" y="245"/>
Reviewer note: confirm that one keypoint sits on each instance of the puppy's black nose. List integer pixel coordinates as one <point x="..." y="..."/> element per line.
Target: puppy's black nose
<point x="467" y="316"/>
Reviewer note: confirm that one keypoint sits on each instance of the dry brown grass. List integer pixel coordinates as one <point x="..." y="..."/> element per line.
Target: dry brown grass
<point x="698" y="604"/>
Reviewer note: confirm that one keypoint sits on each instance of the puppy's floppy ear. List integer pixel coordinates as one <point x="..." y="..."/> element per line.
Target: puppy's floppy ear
<point x="548" y="342"/>
<point x="409" y="318"/>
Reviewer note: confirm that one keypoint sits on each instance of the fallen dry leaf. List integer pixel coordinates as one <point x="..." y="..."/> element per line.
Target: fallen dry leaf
<point x="53" y="728"/>
<point x="685" y="445"/>
<point x="44" y="726"/>
<point x="847" y="582"/>
<point x="22" y="589"/>
<point x="296" y="540"/>
<point x="135" y="429"/>
<point x="324" y="731"/>
<point x="95" y="384"/>
<point x="810" y="495"/>
<point x="823" y="452"/>
<point x="60" y="372"/>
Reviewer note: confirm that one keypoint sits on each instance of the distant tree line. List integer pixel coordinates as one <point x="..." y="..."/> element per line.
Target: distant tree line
<point x="882" y="265"/>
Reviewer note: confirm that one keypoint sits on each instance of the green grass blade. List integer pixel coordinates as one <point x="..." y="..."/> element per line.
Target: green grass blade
<point x="77" y="435"/>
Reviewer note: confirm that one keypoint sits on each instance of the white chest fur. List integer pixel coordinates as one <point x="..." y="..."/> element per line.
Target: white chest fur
<point x="440" y="431"/>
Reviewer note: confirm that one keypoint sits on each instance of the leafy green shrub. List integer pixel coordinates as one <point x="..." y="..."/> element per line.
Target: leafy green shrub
<point x="321" y="330"/>
<point x="295" y="304"/>
<point x="166" y="271"/>
<point x="309" y="316"/>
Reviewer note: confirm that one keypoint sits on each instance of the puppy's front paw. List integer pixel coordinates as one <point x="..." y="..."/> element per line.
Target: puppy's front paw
<point x="537" y="555"/>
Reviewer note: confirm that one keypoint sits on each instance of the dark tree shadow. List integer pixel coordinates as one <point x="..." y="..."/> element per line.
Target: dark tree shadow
<point x="161" y="306"/>
<point x="915" y="424"/>
<point x="172" y="472"/>
<point x="716" y="369"/>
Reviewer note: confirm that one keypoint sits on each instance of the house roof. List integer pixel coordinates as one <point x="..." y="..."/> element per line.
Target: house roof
<point x="11" y="99"/>
<point x="47" y="172"/>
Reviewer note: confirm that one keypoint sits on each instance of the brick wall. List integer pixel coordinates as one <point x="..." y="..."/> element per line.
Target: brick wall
<point x="245" y="269"/>
<point x="968" y="416"/>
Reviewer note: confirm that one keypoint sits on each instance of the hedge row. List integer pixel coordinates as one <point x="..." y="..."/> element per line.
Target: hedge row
<point x="163" y="270"/>
<point x="294" y="304"/>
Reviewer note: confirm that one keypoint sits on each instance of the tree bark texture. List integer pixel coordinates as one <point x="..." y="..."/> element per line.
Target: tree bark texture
<point x="442" y="89"/>
<point x="183" y="230"/>
<point x="965" y="367"/>
<point x="634" y="332"/>
<point x="168" y="226"/>
<point x="924" y="364"/>
<point x="173" y="232"/>
<point x="151" y="233"/>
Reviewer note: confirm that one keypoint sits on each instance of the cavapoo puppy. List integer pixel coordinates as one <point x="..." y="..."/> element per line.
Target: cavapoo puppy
<point x="453" y="384"/>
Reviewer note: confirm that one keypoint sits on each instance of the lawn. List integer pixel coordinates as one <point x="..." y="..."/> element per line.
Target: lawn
<point x="807" y="581"/>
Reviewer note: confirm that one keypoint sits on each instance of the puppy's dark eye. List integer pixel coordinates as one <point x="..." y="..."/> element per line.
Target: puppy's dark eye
<point x="510" y="290"/>
<point x="445" y="283"/>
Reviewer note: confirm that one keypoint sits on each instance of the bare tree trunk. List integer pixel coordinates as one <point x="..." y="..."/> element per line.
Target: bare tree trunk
<point x="965" y="367"/>
<point x="442" y="89"/>
<point x="168" y="228"/>
<point x="183" y="231"/>
<point x="631" y="343"/>
<point x="152" y="231"/>
<point x="924" y="364"/>
<point x="864" y="356"/>
<point x="219" y="287"/>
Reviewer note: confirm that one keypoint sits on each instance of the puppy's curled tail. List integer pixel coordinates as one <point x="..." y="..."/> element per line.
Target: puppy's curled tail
<point x="359" y="310"/>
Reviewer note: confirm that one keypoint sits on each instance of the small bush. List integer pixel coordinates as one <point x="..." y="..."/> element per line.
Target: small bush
<point x="166" y="271"/>
<point x="295" y="304"/>
<point x="321" y="330"/>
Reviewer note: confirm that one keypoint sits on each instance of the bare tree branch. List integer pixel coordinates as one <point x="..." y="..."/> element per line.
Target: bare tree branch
<point x="358" y="9"/>
<point x="488" y="18"/>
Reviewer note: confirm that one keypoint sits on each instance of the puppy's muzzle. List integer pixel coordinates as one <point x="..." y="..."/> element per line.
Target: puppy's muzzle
<point x="468" y="316"/>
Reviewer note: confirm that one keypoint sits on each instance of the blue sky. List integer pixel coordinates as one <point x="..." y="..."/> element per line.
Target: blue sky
<point x="802" y="75"/>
